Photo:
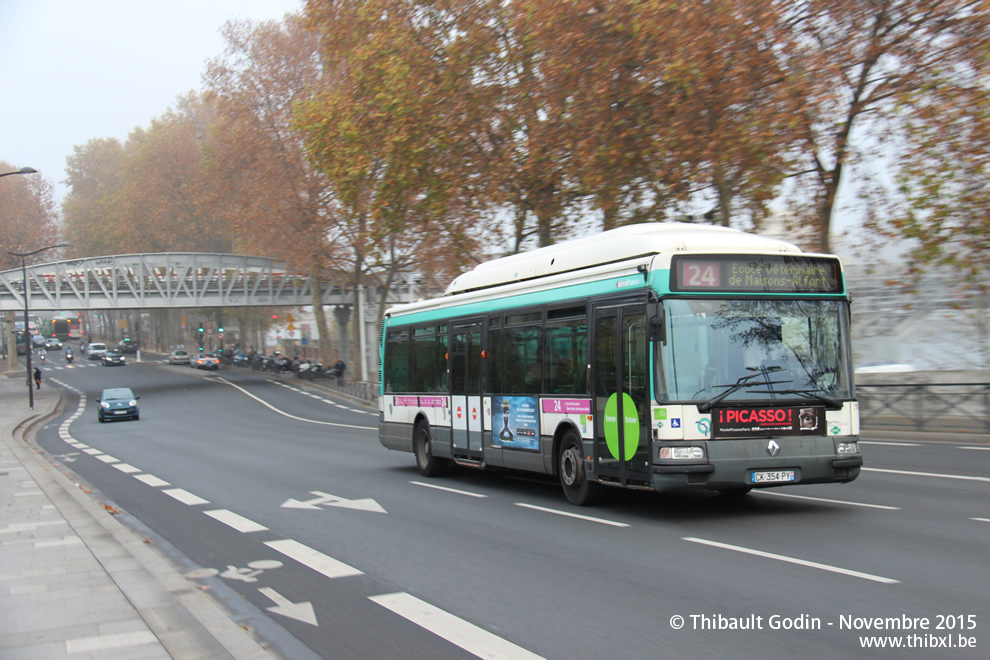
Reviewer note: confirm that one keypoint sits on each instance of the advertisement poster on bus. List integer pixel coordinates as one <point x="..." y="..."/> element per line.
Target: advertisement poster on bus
<point x="515" y="422"/>
<point x="761" y="421"/>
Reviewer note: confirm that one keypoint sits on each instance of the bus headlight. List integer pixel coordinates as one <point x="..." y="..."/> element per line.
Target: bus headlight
<point x="844" y="448"/>
<point x="682" y="453"/>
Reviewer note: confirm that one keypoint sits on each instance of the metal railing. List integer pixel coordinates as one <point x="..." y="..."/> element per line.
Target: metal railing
<point x="942" y="407"/>
<point x="355" y="389"/>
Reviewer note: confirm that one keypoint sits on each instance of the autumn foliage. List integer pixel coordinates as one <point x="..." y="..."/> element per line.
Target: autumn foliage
<point x="378" y="138"/>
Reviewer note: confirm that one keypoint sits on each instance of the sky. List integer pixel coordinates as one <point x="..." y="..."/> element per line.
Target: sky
<point x="76" y="70"/>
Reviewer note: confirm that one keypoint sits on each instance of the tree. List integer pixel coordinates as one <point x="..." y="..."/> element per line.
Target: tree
<point x="944" y="181"/>
<point x="863" y="66"/>
<point x="145" y="195"/>
<point x="159" y="205"/>
<point x="384" y="128"/>
<point x="28" y="217"/>
<point x="94" y="171"/>
<point x="260" y="180"/>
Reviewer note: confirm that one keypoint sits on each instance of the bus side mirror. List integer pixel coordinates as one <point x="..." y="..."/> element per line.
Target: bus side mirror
<point x="658" y="327"/>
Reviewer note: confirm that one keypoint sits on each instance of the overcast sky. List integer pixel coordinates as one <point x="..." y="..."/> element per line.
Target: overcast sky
<point x="76" y="70"/>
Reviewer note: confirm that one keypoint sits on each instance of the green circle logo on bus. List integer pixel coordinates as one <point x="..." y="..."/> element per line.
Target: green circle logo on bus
<point x="630" y="426"/>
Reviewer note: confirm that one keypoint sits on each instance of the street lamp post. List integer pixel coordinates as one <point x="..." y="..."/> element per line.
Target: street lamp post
<point x="9" y="329"/>
<point x="27" y="295"/>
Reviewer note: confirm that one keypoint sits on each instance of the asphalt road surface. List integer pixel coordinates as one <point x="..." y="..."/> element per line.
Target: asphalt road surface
<point x="280" y="501"/>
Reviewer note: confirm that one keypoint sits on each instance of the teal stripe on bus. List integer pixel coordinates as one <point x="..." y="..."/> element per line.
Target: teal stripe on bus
<point x="616" y="285"/>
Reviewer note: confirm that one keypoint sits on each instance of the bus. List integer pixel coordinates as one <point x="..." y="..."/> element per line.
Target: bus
<point x="66" y="328"/>
<point x="653" y="357"/>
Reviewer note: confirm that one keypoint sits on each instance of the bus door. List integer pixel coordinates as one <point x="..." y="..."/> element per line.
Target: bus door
<point x="465" y="388"/>
<point x="621" y="380"/>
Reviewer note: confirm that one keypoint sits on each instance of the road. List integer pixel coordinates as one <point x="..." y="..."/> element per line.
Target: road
<point x="281" y="502"/>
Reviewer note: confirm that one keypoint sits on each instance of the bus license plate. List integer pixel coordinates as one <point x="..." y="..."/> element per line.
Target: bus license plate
<point x="768" y="477"/>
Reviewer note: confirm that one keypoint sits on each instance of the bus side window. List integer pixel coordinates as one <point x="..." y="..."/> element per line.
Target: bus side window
<point x="523" y="352"/>
<point x="566" y="345"/>
<point x="397" y="362"/>
<point x="423" y="376"/>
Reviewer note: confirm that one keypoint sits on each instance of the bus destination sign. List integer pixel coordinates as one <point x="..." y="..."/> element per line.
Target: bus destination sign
<point x="756" y="274"/>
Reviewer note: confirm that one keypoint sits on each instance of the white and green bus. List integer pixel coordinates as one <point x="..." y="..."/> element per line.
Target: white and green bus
<point x="654" y="357"/>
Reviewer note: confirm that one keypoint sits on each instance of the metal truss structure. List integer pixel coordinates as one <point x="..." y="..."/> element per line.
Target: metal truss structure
<point x="173" y="279"/>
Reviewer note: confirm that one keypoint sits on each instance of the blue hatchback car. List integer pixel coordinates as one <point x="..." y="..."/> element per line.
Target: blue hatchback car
<point x="118" y="403"/>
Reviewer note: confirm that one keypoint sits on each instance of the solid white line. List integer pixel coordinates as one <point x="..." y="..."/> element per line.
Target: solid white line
<point x="314" y="559"/>
<point x="928" y="474"/>
<point x="572" y="515"/>
<point x="238" y="522"/>
<point x="459" y="632"/>
<point x="449" y="490"/>
<point x="792" y="560"/>
<point x="185" y="496"/>
<point x="822" y="499"/>
<point x="301" y="419"/>
<point x="151" y="480"/>
<point x="892" y="444"/>
<point x="126" y="468"/>
<point x="981" y="519"/>
<point x="977" y="448"/>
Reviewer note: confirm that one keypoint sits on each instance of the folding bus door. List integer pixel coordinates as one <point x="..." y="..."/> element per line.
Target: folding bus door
<point x="465" y="388"/>
<point x="621" y="380"/>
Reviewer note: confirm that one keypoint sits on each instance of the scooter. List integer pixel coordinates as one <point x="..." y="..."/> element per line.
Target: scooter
<point x="69" y="356"/>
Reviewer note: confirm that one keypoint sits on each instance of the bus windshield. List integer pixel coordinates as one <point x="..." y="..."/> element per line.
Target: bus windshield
<point x="754" y="350"/>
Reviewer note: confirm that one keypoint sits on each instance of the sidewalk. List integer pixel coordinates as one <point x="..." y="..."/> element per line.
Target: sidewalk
<point x="75" y="582"/>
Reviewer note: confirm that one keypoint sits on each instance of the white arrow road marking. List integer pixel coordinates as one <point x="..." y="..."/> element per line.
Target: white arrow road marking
<point x="363" y="504"/>
<point x="298" y="611"/>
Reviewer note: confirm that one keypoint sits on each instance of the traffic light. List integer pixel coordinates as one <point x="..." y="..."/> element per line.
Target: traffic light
<point x="220" y="330"/>
<point x="274" y="317"/>
<point x="201" y="328"/>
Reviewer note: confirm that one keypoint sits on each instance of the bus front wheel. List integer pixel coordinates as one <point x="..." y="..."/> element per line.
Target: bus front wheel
<point x="570" y="465"/>
<point x="429" y="465"/>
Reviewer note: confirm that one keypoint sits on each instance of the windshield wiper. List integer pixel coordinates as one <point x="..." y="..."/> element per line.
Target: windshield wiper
<point x="807" y="394"/>
<point x="738" y="385"/>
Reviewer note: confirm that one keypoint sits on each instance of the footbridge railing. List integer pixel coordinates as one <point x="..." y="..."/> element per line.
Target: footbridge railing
<point x="173" y="279"/>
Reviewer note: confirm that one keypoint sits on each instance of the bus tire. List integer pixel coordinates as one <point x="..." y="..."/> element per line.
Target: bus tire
<point x="570" y="467"/>
<point x="428" y="464"/>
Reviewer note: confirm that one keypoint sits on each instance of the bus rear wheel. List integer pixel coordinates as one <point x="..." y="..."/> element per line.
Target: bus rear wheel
<point x="570" y="466"/>
<point x="429" y="465"/>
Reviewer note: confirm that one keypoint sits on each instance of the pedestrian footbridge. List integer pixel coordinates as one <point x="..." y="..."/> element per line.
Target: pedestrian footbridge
<point x="172" y="279"/>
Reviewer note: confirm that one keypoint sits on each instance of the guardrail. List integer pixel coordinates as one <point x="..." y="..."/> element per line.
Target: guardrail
<point x="360" y="390"/>
<point x="942" y="407"/>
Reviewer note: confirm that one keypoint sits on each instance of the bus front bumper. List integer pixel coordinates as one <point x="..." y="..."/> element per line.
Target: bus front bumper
<point x="739" y="464"/>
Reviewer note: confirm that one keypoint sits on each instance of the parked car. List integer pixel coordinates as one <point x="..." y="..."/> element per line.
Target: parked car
<point x="206" y="361"/>
<point x="96" y="350"/>
<point x="178" y="357"/>
<point x="53" y="343"/>
<point x="127" y="346"/>
<point x="118" y="403"/>
<point x="113" y="358"/>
